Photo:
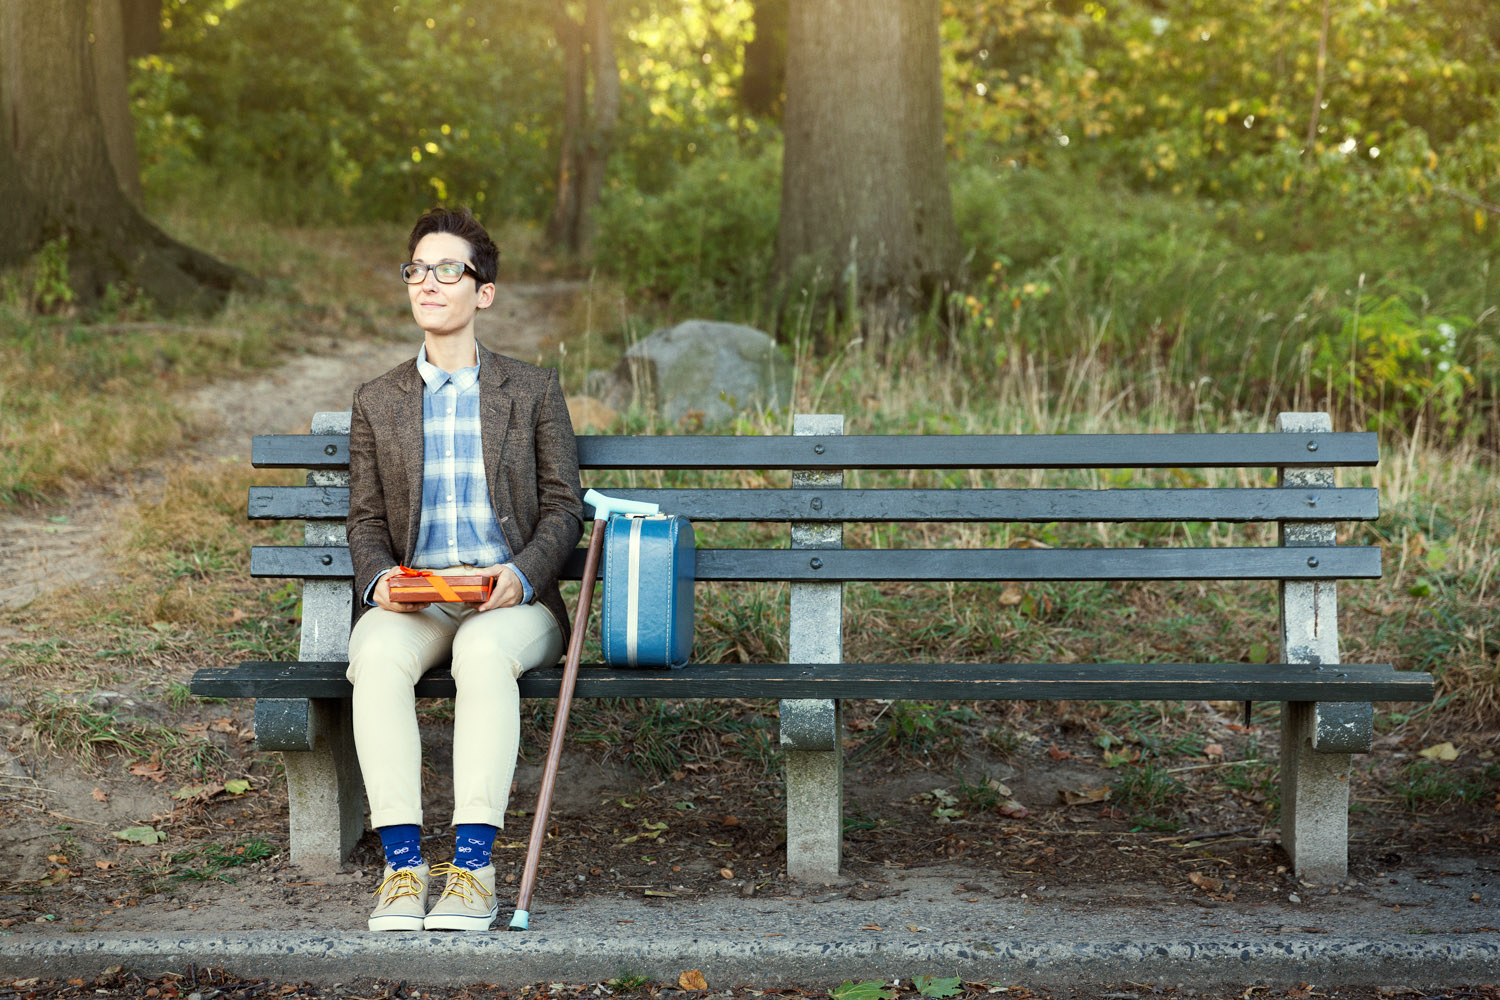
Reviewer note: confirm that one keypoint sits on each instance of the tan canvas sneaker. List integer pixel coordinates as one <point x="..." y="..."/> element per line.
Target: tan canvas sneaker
<point x="403" y="899"/>
<point x="468" y="901"/>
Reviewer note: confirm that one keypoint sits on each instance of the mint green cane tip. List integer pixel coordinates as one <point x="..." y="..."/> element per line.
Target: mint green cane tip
<point x="521" y="921"/>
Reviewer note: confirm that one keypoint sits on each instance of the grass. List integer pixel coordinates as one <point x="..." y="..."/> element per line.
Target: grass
<point x="89" y="733"/>
<point x="209" y="862"/>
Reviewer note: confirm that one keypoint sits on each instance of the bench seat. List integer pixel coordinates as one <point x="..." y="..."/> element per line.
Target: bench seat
<point x="915" y="681"/>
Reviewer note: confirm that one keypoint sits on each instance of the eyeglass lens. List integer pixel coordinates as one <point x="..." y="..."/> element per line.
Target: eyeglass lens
<point x="447" y="272"/>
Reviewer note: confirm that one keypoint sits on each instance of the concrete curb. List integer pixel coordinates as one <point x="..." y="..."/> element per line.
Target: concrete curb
<point x="514" y="960"/>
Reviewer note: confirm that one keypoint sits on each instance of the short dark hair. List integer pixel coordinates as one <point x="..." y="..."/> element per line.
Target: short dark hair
<point x="459" y="222"/>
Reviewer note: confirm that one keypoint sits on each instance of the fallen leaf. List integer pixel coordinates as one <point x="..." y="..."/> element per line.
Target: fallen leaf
<point x="55" y="876"/>
<point x="224" y="725"/>
<point x="237" y="786"/>
<point x="100" y="795"/>
<point x="1083" y="795"/>
<point x="1214" y="750"/>
<point x="1057" y="754"/>
<point x="141" y="835"/>
<point x="149" y="769"/>
<point x="235" y="617"/>
<point x="1012" y="809"/>
<point x="692" y="979"/>
<point x="938" y="987"/>
<point x="726" y="873"/>
<point x="1011" y="595"/>
<point x="871" y="927"/>
<point x="870" y="989"/>
<point x="730" y="820"/>
<point x="104" y="866"/>
<point x="658" y="892"/>
<point x="189" y="791"/>
<point x="1206" y="883"/>
<point x="58" y="859"/>
<point x="1443" y="751"/>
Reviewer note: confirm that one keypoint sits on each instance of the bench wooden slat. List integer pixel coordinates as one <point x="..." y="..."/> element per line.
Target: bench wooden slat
<point x="890" y="451"/>
<point x="331" y="503"/>
<point x="930" y="681"/>
<point x="937" y="565"/>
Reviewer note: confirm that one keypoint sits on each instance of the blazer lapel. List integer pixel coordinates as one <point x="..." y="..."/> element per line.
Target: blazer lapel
<point x="495" y="405"/>
<point x="409" y="434"/>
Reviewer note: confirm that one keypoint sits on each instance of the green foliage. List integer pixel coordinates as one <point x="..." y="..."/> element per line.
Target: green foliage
<point x="1199" y="96"/>
<point x="1395" y="363"/>
<point x="355" y="110"/>
<point x="702" y="244"/>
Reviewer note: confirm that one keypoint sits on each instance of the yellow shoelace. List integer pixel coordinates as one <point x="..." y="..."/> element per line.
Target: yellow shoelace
<point x="402" y="882"/>
<point x="460" y="882"/>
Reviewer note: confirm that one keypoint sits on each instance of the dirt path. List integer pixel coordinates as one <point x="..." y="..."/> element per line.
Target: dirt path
<point x="46" y="550"/>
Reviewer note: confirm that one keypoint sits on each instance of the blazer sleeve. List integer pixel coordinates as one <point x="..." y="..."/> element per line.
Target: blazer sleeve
<point x="560" y="511"/>
<point x="368" y="528"/>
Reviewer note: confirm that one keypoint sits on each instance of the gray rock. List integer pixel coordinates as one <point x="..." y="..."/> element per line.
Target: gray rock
<point x="701" y="367"/>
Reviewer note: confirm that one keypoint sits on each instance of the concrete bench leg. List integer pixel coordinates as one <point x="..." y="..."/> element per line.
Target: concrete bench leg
<point x="1314" y="771"/>
<point x="812" y="729"/>
<point x="814" y="789"/>
<point x="325" y="796"/>
<point x="1314" y="798"/>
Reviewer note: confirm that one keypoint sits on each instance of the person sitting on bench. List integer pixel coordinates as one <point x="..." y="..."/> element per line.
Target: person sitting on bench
<point x="460" y="461"/>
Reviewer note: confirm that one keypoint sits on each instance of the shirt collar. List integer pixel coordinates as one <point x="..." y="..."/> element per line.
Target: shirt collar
<point x="436" y="378"/>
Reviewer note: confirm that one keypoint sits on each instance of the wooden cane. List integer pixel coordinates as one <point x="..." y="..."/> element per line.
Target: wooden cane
<point x="522" y="919"/>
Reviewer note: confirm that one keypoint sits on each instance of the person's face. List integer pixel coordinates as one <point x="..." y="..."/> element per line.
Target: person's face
<point x="446" y="309"/>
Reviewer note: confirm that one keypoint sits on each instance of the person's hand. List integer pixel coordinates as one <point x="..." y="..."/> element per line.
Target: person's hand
<point x="507" y="592"/>
<point x="382" y="597"/>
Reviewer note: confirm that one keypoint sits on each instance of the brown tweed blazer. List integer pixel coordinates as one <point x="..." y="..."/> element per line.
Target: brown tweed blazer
<point x="530" y="463"/>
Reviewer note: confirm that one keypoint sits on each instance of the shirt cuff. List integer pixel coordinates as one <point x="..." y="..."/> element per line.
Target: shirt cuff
<point x="370" y="590"/>
<point x="527" y="594"/>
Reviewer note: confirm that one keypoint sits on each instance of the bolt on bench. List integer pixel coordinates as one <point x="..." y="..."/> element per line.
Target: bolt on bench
<point x="303" y="707"/>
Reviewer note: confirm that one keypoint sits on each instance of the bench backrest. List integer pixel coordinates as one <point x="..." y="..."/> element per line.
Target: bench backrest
<point x="823" y="457"/>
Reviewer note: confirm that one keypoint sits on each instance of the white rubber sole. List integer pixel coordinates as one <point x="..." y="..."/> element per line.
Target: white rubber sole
<point x="461" y="921"/>
<point x="397" y="922"/>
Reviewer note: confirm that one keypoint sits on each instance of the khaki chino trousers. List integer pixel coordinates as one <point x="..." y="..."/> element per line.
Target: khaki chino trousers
<point x="389" y="651"/>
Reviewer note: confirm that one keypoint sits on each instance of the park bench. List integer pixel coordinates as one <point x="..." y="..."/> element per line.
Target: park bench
<point x="303" y="708"/>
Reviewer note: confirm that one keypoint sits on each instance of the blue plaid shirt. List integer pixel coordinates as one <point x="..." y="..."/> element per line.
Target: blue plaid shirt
<point x="458" y="526"/>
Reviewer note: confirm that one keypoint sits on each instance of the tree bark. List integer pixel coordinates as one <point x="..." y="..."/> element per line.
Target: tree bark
<point x="588" y="126"/>
<point x="763" y="83"/>
<point x="864" y="177"/>
<point x="57" y="178"/>
<point x="142" y="30"/>
<point x="111" y="81"/>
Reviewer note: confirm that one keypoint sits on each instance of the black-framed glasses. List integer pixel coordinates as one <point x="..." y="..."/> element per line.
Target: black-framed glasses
<point x="447" y="272"/>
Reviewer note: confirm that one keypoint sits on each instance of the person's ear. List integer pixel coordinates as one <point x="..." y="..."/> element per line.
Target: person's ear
<point x="486" y="295"/>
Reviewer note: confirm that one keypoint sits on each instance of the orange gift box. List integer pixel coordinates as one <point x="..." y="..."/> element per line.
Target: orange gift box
<point x="415" y="587"/>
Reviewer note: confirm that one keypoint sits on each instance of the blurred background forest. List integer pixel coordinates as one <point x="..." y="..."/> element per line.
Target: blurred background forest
<point x="1251" y="203"/>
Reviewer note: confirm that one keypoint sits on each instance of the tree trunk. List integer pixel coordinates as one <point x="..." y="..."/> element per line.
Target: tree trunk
<point x="56" y="177"/>
<point x="563" y="223"/>
<point x="763" y="83"/>
<point x="864" y="177"/>
<point x="142" y="30"/>
<point x="588" y="127"/>
<point x="111" y="81"/>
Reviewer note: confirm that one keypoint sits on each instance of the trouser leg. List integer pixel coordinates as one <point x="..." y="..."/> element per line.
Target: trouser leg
<point x="491" y="650"/>
<point x="388" y="652"/>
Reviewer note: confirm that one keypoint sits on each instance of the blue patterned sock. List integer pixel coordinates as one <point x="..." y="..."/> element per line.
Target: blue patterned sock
<point x="403" y="845"/>
<point x="473" y="845"/>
